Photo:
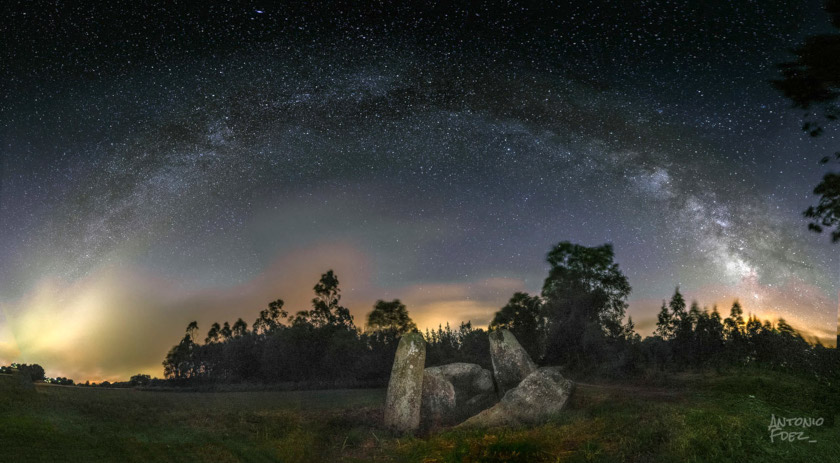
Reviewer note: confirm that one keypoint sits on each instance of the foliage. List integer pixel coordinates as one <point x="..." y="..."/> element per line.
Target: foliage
<point x="140" y="380"/>
<point x="466" y="344"/>
<point x="812" y="80"/>
<point x="826" y="214"/>
<point x="664" y="326"/>
<point x="321" y="345"/>
<point x="701" y="339"/>
<point x="61" y="381"/>
<point x="270" y="319"/>
<point x="390" y="316"/>
<point x="35" y="372"/>
<point x="577" y="322"/>
<point x="585" y="298"/>
<point x="326" y="308"/>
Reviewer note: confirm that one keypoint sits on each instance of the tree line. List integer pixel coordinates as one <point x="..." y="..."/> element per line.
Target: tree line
<point x="34" y="372"/>
<point x="317" y="347"/>
<point x="578" y="321"/>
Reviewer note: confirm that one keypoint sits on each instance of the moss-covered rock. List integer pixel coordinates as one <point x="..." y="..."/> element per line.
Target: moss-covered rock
<point x="438" y="402"/>
<point x="511" y="363"/>
<point x="539" y="396"/>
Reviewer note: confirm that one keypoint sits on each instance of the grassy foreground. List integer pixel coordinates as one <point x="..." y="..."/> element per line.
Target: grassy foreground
<point x="693" y="418"/>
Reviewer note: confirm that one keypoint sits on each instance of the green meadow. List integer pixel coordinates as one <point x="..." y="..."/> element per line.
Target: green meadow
<point x="688" y="417"/>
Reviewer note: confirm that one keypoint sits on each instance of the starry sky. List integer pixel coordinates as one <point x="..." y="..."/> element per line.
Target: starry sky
<point x="165" y="164"/>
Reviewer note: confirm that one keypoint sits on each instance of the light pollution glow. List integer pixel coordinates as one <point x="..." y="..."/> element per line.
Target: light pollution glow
<point x="118" y="322"/>
<point x="139" y="192"/>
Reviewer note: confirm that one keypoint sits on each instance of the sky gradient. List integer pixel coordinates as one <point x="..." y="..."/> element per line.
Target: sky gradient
<point x="166" y="165"/>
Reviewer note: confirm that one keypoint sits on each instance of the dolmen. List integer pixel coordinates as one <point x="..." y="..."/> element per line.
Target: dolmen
<point x="515" y="393"/>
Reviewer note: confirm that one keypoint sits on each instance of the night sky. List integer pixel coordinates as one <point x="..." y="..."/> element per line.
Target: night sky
<point x="163" y="165"/>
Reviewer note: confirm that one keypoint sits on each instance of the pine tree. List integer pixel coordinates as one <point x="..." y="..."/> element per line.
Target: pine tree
<point x="734" y="323"/>
<point x="663" y="323"/>
<point x="677" y="305"/>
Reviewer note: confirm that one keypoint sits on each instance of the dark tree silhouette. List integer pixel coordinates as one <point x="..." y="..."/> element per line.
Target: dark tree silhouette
<point x="664" y="326"/>
<point x="326" y="308"/>
<point x="466" y="344"/>
<point x="179" y="363"/>
<point x="191" y="329"/>
<point x="214" y="335"/>
<point x="62" y="381"/>
<point x="140" y="380"/>
<point x="585" y="297"/>
<point x="812" y="82"/>
<point x="225" y="333"/>
<point x="390" y="316"/>
<point x="677" y="306"/>
<point x="734" y="323"/>
<point x="579" y="315"/>
<point x="33" y="372"/>
<point x="269" y="318"/>
<point x="708" y="337"/>
<point x="240" y="328"/>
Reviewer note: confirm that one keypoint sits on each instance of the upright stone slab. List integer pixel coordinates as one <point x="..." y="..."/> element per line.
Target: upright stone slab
<point x="438" y="403"/>
<point x="405" y="389"/>
<point x="511" y="363"/>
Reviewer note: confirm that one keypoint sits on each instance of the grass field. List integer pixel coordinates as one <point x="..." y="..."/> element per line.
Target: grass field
<point x="689" y="418"/>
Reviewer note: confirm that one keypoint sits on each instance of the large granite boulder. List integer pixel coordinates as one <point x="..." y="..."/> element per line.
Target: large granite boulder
<point x="454" y="392"/>
<point x="540" y="395"/>
<point x="511" y="363"/>
<point x="405" y="388"/>
<point x="468" y="379"/>
<point x="438" y="403"/>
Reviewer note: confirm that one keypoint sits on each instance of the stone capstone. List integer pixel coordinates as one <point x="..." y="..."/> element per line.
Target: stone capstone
<point x="540" y="395"/>
<point x="468" y="379"/>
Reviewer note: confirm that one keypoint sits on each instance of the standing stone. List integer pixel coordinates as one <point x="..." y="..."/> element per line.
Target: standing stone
<point x="402" y="403"/>
<point x="438" y="403"/>
<point x="539" y="396"/>
<point x="511" y="363"/>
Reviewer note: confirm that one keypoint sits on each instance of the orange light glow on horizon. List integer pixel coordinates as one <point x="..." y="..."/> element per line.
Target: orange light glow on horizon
<point x="119" y="322"/>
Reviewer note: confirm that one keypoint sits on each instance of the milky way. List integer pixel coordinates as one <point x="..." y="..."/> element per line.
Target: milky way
<point x="435" y="155"/>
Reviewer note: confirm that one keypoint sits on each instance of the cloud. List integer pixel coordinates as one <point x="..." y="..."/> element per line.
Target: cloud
<point x="476" y="302"/>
